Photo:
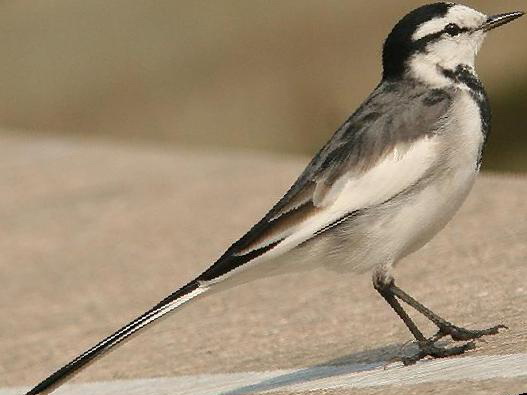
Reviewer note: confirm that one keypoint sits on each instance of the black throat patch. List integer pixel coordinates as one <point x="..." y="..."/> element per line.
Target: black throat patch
<point x="463" y="74"/>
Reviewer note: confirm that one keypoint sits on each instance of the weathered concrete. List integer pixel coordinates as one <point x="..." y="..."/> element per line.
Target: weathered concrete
<point x="92" y="234"/>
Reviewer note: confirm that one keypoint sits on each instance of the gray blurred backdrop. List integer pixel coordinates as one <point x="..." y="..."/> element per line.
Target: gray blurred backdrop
<point x="261" y="74"/>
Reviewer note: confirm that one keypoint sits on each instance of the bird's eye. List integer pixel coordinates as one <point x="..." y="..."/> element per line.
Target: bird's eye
<point x="452" y="29"/>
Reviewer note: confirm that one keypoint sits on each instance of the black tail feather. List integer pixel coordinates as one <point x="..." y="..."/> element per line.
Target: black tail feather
<point x="77" y="364"/>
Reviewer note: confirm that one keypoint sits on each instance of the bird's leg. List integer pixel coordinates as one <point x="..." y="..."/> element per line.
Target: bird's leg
<point x="385" y="285"/>
<point x="427" y="347"/>
<point x="445" y="327"/>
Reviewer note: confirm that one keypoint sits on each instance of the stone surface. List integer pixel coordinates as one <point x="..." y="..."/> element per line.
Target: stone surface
<point x="92" y="234"/>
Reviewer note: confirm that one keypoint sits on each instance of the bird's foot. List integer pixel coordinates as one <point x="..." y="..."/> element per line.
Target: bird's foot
<point x="462" y="334"/>
<point x="428" y="348"/>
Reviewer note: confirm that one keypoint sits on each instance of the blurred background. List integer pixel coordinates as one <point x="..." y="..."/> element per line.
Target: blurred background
<point x="276" y="75"/>
<point x="93" y="233"/>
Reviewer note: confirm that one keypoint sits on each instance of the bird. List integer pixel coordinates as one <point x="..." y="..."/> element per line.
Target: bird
<point x="389" y="179"/>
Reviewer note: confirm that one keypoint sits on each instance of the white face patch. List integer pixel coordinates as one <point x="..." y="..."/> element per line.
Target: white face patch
<point x="448" y="51"/>
<point x="463" y="16"/>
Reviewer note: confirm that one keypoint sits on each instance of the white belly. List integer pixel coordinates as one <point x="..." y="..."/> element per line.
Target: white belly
<point x="424" y="215"/>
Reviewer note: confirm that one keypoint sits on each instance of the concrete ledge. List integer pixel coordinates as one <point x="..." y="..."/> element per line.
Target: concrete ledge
<point x="92" y="234"/>
<point x="318" y="378"/>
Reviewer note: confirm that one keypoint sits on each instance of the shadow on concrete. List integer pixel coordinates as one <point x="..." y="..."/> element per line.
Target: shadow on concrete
<point x="354" y="363"/>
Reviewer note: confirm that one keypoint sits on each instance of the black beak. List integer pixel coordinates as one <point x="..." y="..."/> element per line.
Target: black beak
<point x="500" y="19"/>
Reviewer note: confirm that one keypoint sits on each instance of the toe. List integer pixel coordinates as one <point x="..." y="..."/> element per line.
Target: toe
<point x="429" y="349"/>
<point x="462" y="334"/>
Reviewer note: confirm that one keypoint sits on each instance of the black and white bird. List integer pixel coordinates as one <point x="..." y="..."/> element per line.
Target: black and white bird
<point x="388" y="180"/>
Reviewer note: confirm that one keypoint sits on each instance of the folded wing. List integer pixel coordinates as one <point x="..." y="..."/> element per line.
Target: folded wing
<point x="385" y="147"/>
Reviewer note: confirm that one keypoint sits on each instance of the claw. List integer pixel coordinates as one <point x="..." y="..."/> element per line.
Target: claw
<point x="398" y="358"/>
<point x="428" y="349"/>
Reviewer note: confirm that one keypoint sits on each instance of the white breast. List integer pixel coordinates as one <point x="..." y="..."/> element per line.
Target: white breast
<point x="460" y="143"/>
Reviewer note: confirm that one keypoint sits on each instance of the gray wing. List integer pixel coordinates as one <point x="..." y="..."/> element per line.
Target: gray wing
<point x="388" y="118"/>
<point x="392" y="116"/>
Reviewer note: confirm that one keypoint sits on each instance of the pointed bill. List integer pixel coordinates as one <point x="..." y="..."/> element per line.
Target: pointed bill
<point x="500" y="19"/>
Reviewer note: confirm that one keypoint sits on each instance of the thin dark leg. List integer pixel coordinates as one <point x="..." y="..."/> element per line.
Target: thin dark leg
<point x="445" y="327"/>
<point x="394" y="303"/>
<point x="426" y="346"/>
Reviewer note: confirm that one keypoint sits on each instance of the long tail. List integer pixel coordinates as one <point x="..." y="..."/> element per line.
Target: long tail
<point x="181" y="296"/>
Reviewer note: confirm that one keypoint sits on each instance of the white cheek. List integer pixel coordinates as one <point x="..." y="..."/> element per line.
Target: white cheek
<point x="451" y="53"/>
<point x="447" y="54"/>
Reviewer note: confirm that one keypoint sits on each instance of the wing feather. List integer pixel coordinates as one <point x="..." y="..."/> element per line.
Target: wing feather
<point x="383" y="148"/>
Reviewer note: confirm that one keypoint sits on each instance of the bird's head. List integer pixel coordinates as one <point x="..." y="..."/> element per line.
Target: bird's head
<point x="435" y="37"/>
